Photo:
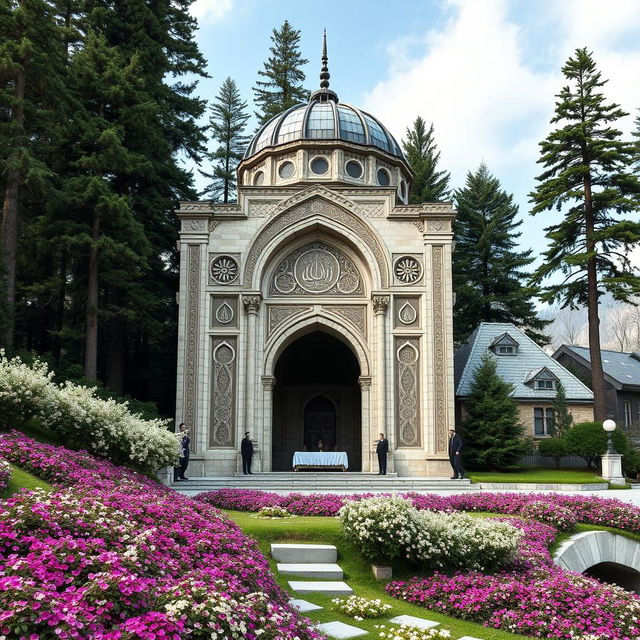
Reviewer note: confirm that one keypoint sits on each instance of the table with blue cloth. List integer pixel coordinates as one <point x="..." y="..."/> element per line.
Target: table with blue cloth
<point x="320" y="460"/>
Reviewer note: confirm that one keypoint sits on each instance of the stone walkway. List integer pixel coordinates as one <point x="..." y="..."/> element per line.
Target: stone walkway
<point x="320" y="561"/>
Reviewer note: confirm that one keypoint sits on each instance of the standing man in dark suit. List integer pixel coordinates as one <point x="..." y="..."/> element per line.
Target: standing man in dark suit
<point x="184" y="454"/>
<point x="382" y="449"/>
<point x="246" y="449"/>
<point x="455" y="455"/>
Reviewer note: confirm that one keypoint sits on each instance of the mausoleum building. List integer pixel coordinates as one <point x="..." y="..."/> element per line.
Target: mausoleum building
<point x="319" y="307"/>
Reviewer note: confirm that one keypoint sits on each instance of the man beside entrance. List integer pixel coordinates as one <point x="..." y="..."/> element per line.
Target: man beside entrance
<point x="455" y="455"/>
<point x="382" y="449"/>
<point x="246" y="449"/>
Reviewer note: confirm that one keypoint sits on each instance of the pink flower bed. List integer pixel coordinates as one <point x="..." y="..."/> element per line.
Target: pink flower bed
<point x="5" y="473"/>
<point x="119" y="557"/>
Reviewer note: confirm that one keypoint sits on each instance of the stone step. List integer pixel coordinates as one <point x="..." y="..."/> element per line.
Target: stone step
<point x="414" y="621"/>
<point x="327" y="588"/>
<point x="325" y="571"/>
<point x="304" y="553"/>
<point x="304" y="605"/>
<point x="341" y="630"/>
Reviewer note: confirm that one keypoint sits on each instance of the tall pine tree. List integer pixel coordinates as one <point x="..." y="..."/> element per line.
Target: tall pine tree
<point x="283" y="76"/>
<point x="429" y="185"/>
<point x="228" y="122"/>
<point x="488" y="269"/>
<point x="588" y="177"/>
<point x="492" y="434"/>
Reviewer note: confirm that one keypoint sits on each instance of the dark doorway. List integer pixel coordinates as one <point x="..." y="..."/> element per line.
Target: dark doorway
<point x="316" y="397"/>
<point x="614" y="573"/>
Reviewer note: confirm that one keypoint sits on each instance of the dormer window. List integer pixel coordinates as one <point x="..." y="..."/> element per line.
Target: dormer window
<point x="504" y="345"/>
<point x="542" y="379"/>
<point x="545" y="384"/>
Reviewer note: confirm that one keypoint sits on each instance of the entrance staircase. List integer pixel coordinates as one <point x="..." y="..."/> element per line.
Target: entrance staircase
<point x="345" y="482"/>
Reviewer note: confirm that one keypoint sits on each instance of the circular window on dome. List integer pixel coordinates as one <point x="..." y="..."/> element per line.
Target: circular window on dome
<point x="286" y="170"/>
<point x="319" y="166"/>
<point x="383" y="177"/>
<point x="258" y="179"/>
<point x="354" y="169"/>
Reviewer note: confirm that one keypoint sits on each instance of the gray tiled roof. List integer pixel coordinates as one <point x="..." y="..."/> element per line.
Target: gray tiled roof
<point x="623" y="367"/>
<point x="514" y="369"/>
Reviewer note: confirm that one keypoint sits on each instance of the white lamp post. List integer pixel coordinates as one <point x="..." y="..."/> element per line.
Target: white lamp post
<point x="611" y="460"/>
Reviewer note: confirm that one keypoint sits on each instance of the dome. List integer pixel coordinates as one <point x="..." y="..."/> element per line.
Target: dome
<point x="324" y="118"/>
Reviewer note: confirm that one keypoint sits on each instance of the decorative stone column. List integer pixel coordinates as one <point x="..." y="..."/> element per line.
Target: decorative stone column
<point x="252" y="307"/>
<point x="268" y="383"/>
<point x="380" y="306"/>
<point x="365" y="435"/>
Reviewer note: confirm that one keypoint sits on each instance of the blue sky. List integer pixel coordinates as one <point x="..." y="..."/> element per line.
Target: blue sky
<point x="485" y="72"/>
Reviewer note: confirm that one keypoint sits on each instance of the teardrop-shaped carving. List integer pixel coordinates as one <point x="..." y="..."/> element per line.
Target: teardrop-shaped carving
<point x="224" y="313"/>
<point x="407" y="313"/>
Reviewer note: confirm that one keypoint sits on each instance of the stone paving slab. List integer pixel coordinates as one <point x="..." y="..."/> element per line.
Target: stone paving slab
<point x="414" y="621"/>
<point x="469" y="638"/>
<point x="326" y="571"/>
<point x="304" y="605"/>
<point x="341" y="630"/>
<point x="329" y="587"/>
<point x="298" y="553"/>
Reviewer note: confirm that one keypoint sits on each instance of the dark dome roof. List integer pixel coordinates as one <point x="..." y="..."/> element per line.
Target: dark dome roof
<point x="324" y="119"/>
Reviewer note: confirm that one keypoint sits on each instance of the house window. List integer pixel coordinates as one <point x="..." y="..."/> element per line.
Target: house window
<point x="545" y="384"/>
<point x="542" y="421"/>
<point x="628" y="419"/>
<point x="506" y="351"/>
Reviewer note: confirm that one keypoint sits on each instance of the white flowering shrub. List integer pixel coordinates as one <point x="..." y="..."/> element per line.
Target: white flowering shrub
<point x="391" y="528"/>
<point x="406" y="632"/>
<point x="273" y="511"/>
<point x="103" y="427"/>
<point x="5" y="473"/>
<point x="360" y="608"/>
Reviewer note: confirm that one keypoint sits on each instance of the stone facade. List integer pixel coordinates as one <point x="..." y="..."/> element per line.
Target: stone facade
<point x="331" y="255"/>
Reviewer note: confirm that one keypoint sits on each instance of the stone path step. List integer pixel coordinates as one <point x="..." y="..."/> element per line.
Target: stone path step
<point x="327" y="587"/>
<point x="304" y="553"/>
<point x="324" y="570"/>
<point x="304" y="605"/>
<point x="341" y="630"/>
<point x="414" y="621"/>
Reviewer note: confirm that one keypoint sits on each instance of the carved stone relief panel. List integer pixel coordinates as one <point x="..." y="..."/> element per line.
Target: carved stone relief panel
<point x="191" y="336"/>
<point x="278" y="314"/>
<point x="223" y="386"/>
<point x="355" y="314"/>
<point x="316" y="269"/>
<point x="224" y="312"/>
<point x="407" y="356"/>
<point x="194" y="225"/>
<point x="439" y="349"/>
<point x="406" y="312"/>
<point x="372" y="209"/>
<point x="224" y="268"/>
<point x="262" y="208"/>
<point x="407" y="269"/>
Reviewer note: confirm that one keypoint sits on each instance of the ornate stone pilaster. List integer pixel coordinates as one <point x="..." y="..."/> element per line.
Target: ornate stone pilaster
<point x="252" y="307"/>
<point x="223" y="392"/>
<point x="366" y="435"/>
<point x="407" y="354"/>
<point x="190" y="392"/>
<point x="380" y="306"/>
<point x="439" y="349"/>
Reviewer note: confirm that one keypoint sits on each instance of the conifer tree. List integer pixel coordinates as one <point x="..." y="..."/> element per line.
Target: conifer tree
<point x="283" y="76"/>
<point x="492" y="434"/>
<point x="589" y="178"/>
<point x="489" y="276"/>
<point x="228" y="122"/>
<point x="562" y="418"/>
<point x="429" y="185"/>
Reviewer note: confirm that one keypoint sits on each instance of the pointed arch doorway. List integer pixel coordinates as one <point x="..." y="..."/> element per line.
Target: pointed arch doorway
<point x="316" y="397"/>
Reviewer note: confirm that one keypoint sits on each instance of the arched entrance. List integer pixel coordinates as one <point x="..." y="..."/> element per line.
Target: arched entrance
<point x="316" y="397"/>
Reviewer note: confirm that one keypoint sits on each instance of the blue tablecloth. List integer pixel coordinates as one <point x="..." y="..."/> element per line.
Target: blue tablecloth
<point x="321" y="459"/>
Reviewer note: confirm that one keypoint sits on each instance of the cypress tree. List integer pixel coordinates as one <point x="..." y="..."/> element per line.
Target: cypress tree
<point x="429" y="185"/>
<point x="283" y="77"/>
<point x="488" y="269"/>
<point x="588" y="177"/>
<point x="562" y="419"/>
<point x="228" y="122"/>
<point x="492" y="433"/>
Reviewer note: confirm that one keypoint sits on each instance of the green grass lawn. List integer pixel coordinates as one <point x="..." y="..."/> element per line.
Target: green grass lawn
<point x="34" y="429"/>
<point x="22" y="480"/>
<point x="537" y="475"/>
<point x="357" y="573"/>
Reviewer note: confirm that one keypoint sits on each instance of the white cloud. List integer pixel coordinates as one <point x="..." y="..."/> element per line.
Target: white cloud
<point x="209" y="11"/>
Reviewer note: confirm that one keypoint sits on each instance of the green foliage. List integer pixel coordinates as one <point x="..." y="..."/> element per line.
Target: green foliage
<point x="588" y="440"/>
<point x="492" y="434"/>
<point x="228" y="122"/>
<point x="555" y="447"/>
<point x="282" y="86"/>
<point x="429" y="184"/>
<point x="562" y="418"/>
<point x="488" y="270"/>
